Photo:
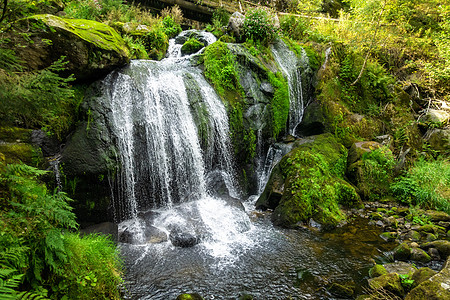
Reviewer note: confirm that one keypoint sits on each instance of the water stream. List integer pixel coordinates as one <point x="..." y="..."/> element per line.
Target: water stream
<point x="177" y="179"/>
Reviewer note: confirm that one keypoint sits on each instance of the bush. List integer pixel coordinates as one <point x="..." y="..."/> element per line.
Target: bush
<point x="170" y="27"/>
<point x="426" y="184"/>
<point x="259" y="25"/>
<point x="37" y="251"/>
<point x="40" y="99"/>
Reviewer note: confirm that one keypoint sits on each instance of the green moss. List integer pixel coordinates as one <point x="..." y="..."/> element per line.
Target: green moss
<point x="14" y="134"/>
<point x="192" y="45"/>
<point x="280" y="103"/>
<point x="17" y="152"/>
<point x="314" y="185"/>
<point x="101" y="35"/>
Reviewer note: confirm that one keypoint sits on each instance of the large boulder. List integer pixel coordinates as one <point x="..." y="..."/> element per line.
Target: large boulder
<point x="310" y="182"/>
<point x="92" y="49"/>
<point x="439" y="139"/>
<point x="436" y="287"/>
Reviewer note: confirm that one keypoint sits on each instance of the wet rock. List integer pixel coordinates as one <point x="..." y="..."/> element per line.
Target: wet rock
<point x="274" y="190"/>
<point x="193" y="296"/>
<point x="422" y="275"/>
<point x="389" y="282"/>
<point x="105" y="228"/>
<point x="377" y="270"/>
<point x="183" y="239"/>
<point x="419" y="255"/>
<point x="434" y="254"/>
<point x="313" y="121"/>
<point x="49" y="146"/>
<point x="154" y="235"/>
<point x="413" y="235"/>
<point x="428" y="290"/>
<point x="402" y="252"/>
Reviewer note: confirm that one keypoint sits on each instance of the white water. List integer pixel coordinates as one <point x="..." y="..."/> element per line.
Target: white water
<point x="289" y="64"/>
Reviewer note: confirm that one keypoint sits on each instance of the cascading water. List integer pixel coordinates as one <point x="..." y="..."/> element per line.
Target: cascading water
<point x="292" y="70"/>
<point x="177" y="176"/>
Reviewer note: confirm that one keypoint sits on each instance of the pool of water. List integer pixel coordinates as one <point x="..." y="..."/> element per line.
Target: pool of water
<point x="264" y="261"/>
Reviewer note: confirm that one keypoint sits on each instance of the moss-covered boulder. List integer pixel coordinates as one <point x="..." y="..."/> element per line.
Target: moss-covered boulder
<point x="422" y="275"/>
<point x="311" y="179"/>
<point x="402" y="252"/>
<point x="193" y="296"/>
<point x="192" y="45"/>
<point x="92" y="49"/>
<point x="388" y="282"/>
<point x="419" y="255"/>
<point x="377" y="270"/>
<point x="16" y="147"/>
<point x="443" y="246"/>
<point x="439" y="139"/>
<point x="428" y="290"/>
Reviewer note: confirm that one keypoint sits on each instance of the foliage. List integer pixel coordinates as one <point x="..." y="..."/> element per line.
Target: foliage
<point x="220" y="17"/>
<point x="426" y="184"/>
<point x="93" y="9"/>
<point x="170" y="27"/>
<point x="259" y="25"/>
<point x="39" y="99"/>
<point x="294" y="27"/>
<point x="37" y="251"/>
<point x="406" y="281"/>
<point x="279" y="103"/>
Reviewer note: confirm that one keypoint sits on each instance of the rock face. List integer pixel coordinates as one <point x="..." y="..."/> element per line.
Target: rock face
<point x="308" y="182"/>
<point x="92" y="49"/>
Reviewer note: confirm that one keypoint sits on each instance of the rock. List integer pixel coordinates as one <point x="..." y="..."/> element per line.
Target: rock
<point x="267" y="88"/>
<point x="183" y="239"/>
<point x="428" y="290"/>
<point x="419" y="255"/>
<point x="341" y="290"/>
<point x="193" y="296"/>
<point x="191" y="46"/>
<point x="400" y="267"/>
<point x="413" y="235"/>
<point x="377" y="270"/>
<point x="442" y="246"/>
<point x="389" y="282"/>
<point x="402" y="252"/>
<point x="376" y="216"/>
<point x="92" y="49"/>
<point x="439" y="139"/>
<point x="235" y="24"/>
<point x="435" y="116"/>
<point x="313" y="121"/>
<point x="437" y="216"/>
<point x="385" y="140"/>
<point x="357" y="150"/>
<point x="430" y="237"/>
<point x="434" y="254"/>
<point x="49" y="146"/>
<point x="154" y="235"/>
<point x="389" y="236"/>
<point x="422" y="274"/>
<point x="303" y="177"/>
<point x="105" y="228"/>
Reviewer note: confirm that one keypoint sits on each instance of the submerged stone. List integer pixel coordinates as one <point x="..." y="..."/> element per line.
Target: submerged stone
<point x="183" y="239"/>
<point x="193" y="296"/>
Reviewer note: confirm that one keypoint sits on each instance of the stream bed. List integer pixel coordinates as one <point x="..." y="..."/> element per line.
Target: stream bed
<point x="265" y="262"/>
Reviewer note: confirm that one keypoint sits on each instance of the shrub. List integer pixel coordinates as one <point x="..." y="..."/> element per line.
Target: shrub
<point x="259" y="25"/>
<point x="170" y="27"/>
<point x="426" y="184"/>
<point x="38" y="252"/>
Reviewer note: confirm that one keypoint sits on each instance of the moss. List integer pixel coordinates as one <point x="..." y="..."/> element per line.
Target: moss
<point x="99" y="34"/>
<point x="14" y="134"/>
<point x="192" y="45"/>
<point x="17" y="152"/>
<point x="389" y="282"/>
<point x="280" y="103"/>
<point x="314" y="186"/>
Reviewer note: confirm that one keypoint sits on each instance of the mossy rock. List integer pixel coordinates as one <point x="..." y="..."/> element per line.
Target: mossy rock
<point x="15" y="135"/>
<point x="402" y="252"/>
<point x="91" y="48"/>
<point x="193" y="296"/>
<point x="389" y="282"/>
<point x="311" y="179"/>
<point x="342" y="290"/>
<point x="422" y="275"/>
<point x="191" y="46"/>
<point x="377" y="271"/>
<point x="17" y="152"/>
<point x="443" y="246"/>
<point x="428" y="290"/>
<point x="389" y="236"/>
<point x="437" y="216"/>
<point x="419" y="255"/>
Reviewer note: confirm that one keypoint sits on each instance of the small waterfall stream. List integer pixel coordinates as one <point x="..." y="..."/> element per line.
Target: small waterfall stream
<point x="177" y="179"/>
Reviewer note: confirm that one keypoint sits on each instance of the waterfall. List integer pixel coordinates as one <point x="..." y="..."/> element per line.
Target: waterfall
<point x="292" y="69"/>
<point x="172" y="132"/>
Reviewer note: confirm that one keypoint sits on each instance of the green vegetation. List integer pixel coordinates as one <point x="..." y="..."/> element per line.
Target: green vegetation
<point x="192" y="45"/>
<point x="314" y="185"/>
<point x="426" y="184"/>
<point x="280" y="103"/>
<point x="259" y="25"/>
<point x="38" y="251"/>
